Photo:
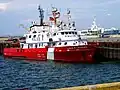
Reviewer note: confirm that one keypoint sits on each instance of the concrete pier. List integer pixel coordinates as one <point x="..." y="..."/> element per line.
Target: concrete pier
<point x="7" y="44"/>
<point x="109" y="48"/>
<point x="105" y="86"/>
<point x="3" y="45"/>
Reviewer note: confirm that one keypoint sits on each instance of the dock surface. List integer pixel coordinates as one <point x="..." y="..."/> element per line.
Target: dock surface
<point x="111" y="39"/>
<point x="105" y="86"/>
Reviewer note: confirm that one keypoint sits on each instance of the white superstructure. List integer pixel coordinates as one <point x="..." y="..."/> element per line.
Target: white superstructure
<point x="58" y="34"/>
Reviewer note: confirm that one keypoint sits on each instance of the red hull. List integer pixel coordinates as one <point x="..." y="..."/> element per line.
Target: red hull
<point x="65" y="54"/>
<point x="33" y="53"/>
<point x="75" y="54"/>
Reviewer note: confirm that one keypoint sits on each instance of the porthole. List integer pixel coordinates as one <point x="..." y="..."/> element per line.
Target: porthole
<point x="59" y="43"/>
<point x="65" y="43"/>
<point x="54" y="34"/>
<point x="34" y="36"/>
<point x="75" y="32"/>
<point x="29" y="36"/>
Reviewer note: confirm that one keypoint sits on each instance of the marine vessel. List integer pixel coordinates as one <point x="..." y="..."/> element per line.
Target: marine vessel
<point x="57" y="41"/>
<point x="93" y="32"/>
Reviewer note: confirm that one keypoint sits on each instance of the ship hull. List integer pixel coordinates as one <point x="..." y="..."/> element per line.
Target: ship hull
<point x="31" y="54"/>
<point x="82" y="54"/>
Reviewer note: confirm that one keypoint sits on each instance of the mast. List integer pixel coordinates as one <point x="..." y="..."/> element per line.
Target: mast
<point x="94" y="25"/>
<point x="56" y="14"/>
<point x="41" y="11"/>
<point x="68" y="14"/>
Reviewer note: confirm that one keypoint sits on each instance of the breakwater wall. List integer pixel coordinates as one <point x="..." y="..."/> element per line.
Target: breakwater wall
<point x="108" y="49"/>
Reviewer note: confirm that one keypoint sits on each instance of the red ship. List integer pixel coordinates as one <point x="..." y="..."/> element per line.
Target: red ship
<point x="58" y="41"/>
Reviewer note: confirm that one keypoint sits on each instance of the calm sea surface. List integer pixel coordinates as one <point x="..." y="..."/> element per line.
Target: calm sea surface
<point x="20" y="74"/>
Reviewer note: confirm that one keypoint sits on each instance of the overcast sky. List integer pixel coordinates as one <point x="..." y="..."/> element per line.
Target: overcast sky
<point x="15" y="12"/>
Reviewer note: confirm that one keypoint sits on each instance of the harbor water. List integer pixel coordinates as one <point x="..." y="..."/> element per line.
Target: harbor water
<point x="23" y="74"/>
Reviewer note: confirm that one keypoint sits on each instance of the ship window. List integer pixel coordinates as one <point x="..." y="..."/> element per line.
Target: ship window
<point x="35" y="45"/>
<point x="65" y="43"/>
<point x="83" y="32"/>
<point x="22" y="46"/>
<point x="39" y="44"/>
<point x="34" y="36"/>
<point x="66" y="32"/>
<point x="69" y="32"/>
<point x="75" y="32"/>
<point x="62" y="33"/>
<point x="29" y="36"/>
<point x="72" y="32"/>
<point x="34" y="32"/>
<point x="54" y="44"/>
<point x="47" y="34"/>
<point x="54" y="34"/>
<point x="31" y="45"/>
<point x="28" y="46"/>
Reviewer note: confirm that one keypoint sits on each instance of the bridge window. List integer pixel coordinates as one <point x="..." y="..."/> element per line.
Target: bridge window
<point x="62" y="33"/>
<point x="66" y="32"/>
<point x="83" y="32"/>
